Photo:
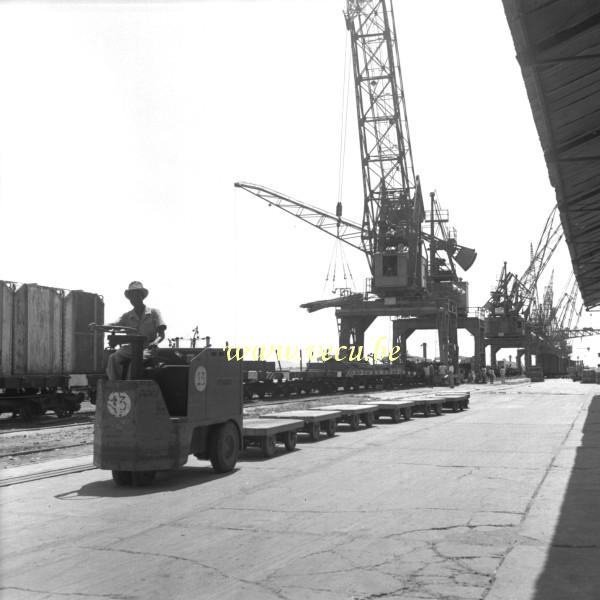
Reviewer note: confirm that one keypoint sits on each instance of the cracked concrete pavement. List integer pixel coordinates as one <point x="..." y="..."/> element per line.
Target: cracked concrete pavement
<point x="467" y="505"/>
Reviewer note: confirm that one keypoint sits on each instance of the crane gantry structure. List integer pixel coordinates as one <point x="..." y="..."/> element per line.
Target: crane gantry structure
<point x="413" y="278"/>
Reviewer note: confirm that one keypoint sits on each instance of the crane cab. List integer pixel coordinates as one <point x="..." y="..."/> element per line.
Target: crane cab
<point x="392" y="273"/>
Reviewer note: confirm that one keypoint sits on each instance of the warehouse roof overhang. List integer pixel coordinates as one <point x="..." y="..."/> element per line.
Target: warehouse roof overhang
<point x="558" y="48"/>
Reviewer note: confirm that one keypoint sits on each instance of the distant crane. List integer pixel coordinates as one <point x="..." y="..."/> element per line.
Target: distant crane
<point x="517" y="295"/>
<point x="514" y="310"/>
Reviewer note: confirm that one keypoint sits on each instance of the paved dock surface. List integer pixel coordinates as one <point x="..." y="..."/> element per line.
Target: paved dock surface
<point x="498" y="502"/>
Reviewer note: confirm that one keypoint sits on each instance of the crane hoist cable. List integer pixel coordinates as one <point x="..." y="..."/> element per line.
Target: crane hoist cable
<point x="346" y="267"/>
<point x="338" y="255"/>
<point x="338" y="249"/>
<point x="332" y="264"/>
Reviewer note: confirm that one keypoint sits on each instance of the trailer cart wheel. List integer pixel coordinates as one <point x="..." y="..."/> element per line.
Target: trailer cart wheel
<point x="407" y="412"/>
<point x="369" y="419"/>
<point x="330" y="427"/>
<point x="396" y="415"/>
<point x="224" y="446"/>
<point x="437" y="409"/>
<point x="354" y="422"/>
<point x="289" y="439"/>
<point x="142" y="478"/>
<point x="426" y="410"/>
<point x="314" y="430"/>
<point x="26" y="411"/>
<point x="63" y="413"/>
<point x="122" y="477"/>
<point x="268" y="446"/>
<point x="38" y="410"/>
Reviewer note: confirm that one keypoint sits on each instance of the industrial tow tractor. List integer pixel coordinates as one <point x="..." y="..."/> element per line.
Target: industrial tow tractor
<point x="159" y="416"/>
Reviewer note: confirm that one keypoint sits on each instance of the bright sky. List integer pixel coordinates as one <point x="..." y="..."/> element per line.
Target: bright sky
<point x="124" y="125"/>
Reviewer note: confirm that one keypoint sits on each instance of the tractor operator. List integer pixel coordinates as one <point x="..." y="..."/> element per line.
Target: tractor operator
<point x="147" y="321"/>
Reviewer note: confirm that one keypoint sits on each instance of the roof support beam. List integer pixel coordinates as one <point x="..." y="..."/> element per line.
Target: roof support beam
<point x="568" y="34"/>
<point x="530" y="59"/>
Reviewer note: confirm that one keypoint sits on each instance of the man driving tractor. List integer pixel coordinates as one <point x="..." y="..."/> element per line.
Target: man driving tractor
<point x="146" y="321"/>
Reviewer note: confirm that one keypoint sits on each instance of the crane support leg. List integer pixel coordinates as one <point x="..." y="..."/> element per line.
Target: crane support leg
<point x="527" y="353"/>
<point x="351" y="332"/>
<point x="402" y="330"/>
<point x="476" y="327"/>
<point x="443" y="327"/>
<point x="493" y="352"/>
<point x="453" y="340"/>
<point x="447" y="326"/>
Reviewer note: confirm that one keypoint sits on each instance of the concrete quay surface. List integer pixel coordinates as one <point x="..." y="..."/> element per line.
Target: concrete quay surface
<point x="500" y="502"/>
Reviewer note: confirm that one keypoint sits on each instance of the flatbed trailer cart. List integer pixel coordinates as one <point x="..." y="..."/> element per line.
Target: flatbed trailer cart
<point x="395" y="409"/>
<point x="314" y="421"/>
<point x="264" y="433"/>
<point x="353" y="414"/>
<point x="427" y="404"/>
<point x="455" y="401"/>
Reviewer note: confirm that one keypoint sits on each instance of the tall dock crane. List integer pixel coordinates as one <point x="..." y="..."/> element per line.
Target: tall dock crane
<point x="418" y="293"/>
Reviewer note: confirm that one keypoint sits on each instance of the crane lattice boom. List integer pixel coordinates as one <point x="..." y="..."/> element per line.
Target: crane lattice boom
<point x="393" y="208"/>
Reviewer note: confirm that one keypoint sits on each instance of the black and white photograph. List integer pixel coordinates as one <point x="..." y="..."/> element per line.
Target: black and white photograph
<point x="299" y="299"/>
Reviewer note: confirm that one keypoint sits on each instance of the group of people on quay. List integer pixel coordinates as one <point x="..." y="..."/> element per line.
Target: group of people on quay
<point x="437" y="373"/>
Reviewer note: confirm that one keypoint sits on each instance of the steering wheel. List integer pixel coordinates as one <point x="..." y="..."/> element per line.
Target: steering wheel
<point x="113" y="328"/>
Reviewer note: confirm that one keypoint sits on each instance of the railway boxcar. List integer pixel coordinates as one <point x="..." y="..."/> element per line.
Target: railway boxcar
<point x="44" y="340"/>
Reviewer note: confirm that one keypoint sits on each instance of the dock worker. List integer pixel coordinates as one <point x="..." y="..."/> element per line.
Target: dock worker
<point x="502" y="374"/>
<point x="146" y="321"/>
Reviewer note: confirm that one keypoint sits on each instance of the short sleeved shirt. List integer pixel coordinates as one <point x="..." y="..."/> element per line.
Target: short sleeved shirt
<point x="147" y="326"/>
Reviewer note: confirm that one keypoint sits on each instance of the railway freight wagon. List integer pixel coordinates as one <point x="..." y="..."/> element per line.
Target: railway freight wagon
<point x="44" y="342"/>
<point x="261" y="379"/>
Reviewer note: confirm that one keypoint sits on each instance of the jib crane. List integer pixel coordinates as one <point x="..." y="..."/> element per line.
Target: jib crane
<point x="557" y="324"/>
<point x="514" y="305"/>
<point x="391" y="233"/>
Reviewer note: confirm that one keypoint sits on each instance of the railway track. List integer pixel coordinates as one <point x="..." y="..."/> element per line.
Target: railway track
<point x="27" y="478"/>
<point x="87" y="423"/>
<point x="16" y="425"/>
<point x="42" y="450"/>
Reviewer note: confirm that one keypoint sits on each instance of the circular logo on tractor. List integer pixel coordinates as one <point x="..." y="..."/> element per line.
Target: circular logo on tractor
<point x="119" y="404"/>
<point x="200" y="378"/>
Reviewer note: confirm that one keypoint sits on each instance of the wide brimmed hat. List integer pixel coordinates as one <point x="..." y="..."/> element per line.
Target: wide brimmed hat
<point x="136" y="286"/>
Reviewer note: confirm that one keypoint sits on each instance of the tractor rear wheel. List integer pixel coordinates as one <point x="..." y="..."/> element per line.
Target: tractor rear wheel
<point x="142" y="478"/>
<point x="122" y="477"/>
<point x="224" y="447"/>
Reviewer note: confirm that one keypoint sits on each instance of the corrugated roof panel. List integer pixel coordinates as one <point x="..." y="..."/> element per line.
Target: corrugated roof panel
<point x="558" y="46"/>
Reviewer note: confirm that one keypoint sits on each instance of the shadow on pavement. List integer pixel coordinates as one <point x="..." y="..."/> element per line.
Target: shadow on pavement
<point x="254" y="454"/>
<point x="165" y="481"/>
<point x="572" y="569"/>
